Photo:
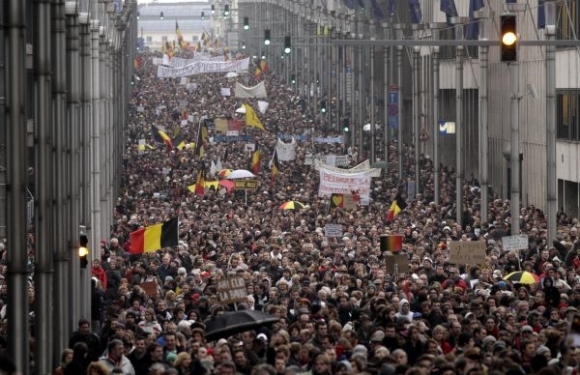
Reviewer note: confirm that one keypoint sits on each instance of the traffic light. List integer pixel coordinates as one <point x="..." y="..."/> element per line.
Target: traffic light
<point x="83" y="250"/>
<point x="267" y="37"/>
<point x="212" y="9"/>
<point x="246" y="23"/>
<point x="226" y="10"/>
<point x="287" y="44"/>
<point x="346" y="125"/>
<point x="323" y="106"/>
<point x="509" y="38"/>
<point x="293" y="79"/>
<point x="161" y="16"/>
<point x="203" y="15"/>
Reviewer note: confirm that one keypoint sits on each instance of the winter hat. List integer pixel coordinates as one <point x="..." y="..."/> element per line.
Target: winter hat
<point x="346" y="365"/>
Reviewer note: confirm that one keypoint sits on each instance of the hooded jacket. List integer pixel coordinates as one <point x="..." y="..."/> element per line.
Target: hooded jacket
<point x="409" y="315"/>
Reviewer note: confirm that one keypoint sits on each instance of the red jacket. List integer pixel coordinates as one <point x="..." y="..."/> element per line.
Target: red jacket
<point x="100" y="274"/>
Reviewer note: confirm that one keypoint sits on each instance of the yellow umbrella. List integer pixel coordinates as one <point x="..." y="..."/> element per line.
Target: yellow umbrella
<point x="291" y="205"/>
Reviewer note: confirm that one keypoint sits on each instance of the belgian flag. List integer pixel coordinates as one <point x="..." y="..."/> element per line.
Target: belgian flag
<point x="397" y="206"/>
<point x="200" y="183"/>
<point x="161" y="137"/>
<point x="274" y="167"/>
<point x="154" y="237"/>
<point x="202" y="136"/>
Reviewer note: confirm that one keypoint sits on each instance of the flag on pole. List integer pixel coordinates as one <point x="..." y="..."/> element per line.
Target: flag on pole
<point x="392" y="7"/>
<point x="154" y="237"/>
<point x="542" y="14"/>
<point x="397" y="206"/>
<point x="256" y="160"/>
<point x="377" y="11"/>
<point x="274" y="166"/>
<point x="200" y="183"/>
<point x="178" y="34"/>
<point x="349" y="4"/>
<point x="472" y="31"/>
<point x="252" y="119"/>
<point x="416" y="15"/>
<point x="202" y="134"/>
<point x="448" y="7"/>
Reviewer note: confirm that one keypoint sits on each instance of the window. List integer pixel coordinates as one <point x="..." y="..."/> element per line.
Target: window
<point x="568" y="17"/>
<point x="567" y="112"/>
<point x="149" y="39"/>
<point x="164" y="39"/>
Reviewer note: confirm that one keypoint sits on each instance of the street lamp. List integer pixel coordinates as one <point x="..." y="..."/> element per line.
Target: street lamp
<point x="267" y="37"/>
<point x="246" y="23"/>
<point x="161" y="16"/>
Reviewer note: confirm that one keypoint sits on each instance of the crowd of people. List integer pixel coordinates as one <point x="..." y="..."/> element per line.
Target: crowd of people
<point x="340" y="309"/>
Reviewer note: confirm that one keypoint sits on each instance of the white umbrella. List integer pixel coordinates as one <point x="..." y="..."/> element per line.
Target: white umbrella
<point x="231" y="75"/>
<point x="242" y="109"/>
<point x="240" y="173"/>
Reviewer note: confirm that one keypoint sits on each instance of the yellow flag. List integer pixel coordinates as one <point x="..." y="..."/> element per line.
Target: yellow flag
<point x="251" y="118"/>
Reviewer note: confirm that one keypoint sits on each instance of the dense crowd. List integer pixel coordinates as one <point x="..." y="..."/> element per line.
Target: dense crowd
<point x="340" y="310"/>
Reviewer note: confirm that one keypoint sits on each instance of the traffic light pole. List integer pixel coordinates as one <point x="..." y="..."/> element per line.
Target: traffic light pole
<point x="514" y="148"/>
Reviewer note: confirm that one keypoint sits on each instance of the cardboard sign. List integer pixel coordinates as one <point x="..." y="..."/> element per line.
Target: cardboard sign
<point x="246" y="184"/>
<point x="232" y="290"/>
<point x="333" y="230"/>
<point x="346" y="201"/>
<point x="467" y="252"/>
<point x="249" y="147"/>
<point x="396" y="264"/>
<point x="150" y="288"/>
<point x="515" y="242"/>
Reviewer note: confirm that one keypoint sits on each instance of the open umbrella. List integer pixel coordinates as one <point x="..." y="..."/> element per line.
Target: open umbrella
<point x="224" y="173"/>
<point x="229" y="185"/>
<point x="240" y="173"/>
<point x="231" y="323"/>
<point x="242" y="109"/>
<point x="291" y="205"/>
<point x="522" y="277"/>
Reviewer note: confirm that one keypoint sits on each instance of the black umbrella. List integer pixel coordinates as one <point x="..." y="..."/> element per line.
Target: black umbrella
<point x="230" y="323"/>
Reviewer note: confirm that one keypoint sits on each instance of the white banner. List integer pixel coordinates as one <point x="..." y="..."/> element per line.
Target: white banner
<point x="365" y="167"/>
<point x="515" y="242"/>
<point x="226" y="91"/>
<point x="177" y="62"/>
<point x="344" y="183"/>
<point x="200" y="67"/>
<point x="286" y="151"/>
<point x="258" y="91"/>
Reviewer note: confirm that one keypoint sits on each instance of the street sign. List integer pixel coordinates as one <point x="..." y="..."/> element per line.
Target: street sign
<point x="246" y="184"/>
<point x="446" y="127"/>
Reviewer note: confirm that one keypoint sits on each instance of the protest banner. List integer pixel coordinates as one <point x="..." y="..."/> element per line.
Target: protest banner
<point x="201" y="67"/>
<point x="332" y="182"/>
